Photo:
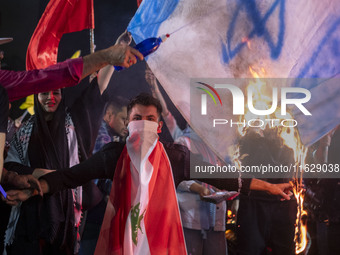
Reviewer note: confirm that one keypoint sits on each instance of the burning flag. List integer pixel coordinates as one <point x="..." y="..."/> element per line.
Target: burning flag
<point x="222" y="39"/>
<point x="294" y="41"/>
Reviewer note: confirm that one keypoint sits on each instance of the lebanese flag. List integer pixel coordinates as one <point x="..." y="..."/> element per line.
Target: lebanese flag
<point x="142" y="215"/>
<point x="60" y="17"/>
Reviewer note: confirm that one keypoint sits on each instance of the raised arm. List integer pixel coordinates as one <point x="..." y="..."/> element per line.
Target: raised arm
<point x="117" y="55"/>
<point x="169" y="119"/>
<point x="104" y="74"/>
<point x="100" y="165"/>
<point x="152" y="81"/>
<point x="67" y="73"/>
<point x="180" y="161"/>
<point x="12" y="179"/>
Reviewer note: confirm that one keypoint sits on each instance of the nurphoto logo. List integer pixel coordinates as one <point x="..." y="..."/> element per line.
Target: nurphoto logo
<point x="260" y="109"/>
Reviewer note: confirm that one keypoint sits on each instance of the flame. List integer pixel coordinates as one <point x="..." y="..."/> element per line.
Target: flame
<point x="254" y="73"/>
<point x="247" y="40"/>
<point x="300" y="238"/>
<point x="261" y="101"/>
<point x="289" y="137"/>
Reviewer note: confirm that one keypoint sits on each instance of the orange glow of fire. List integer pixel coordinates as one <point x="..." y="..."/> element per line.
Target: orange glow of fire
<point x="300" y="238"/>
<point x="246" y="40"/>
<point x="289" y="137"/>
<point x="261" y="101"/>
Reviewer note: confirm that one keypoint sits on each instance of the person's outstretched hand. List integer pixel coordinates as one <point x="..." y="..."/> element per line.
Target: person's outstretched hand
<point x="122" y="55"/>
<point x="14" y="197"/>
<point x="21" y="181"/>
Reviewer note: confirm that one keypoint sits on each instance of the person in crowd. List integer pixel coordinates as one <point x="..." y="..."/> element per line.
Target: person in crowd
<point x="64" y="136"/>
<point x="203" y="222"/>
<point x="6" y="209"/>
<point x="58" y="134"/>
<point x="326" y="195"/>
<point x="144" y="113"/>
<point x="112" y="129"/>
<point x="113" y="126"/>
<point x="264" y="223"/>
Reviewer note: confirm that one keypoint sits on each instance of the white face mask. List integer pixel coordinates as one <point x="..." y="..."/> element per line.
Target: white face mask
<point x="141" y="140"/>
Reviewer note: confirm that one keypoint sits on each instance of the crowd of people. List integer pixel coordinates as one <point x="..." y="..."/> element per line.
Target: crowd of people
<point x="65" y="171"/>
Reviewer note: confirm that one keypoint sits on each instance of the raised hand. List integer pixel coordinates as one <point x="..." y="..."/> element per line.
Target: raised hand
<point x="122" y="55"/>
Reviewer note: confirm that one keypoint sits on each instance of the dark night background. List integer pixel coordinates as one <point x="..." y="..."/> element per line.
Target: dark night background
<point x="19" y="18"/>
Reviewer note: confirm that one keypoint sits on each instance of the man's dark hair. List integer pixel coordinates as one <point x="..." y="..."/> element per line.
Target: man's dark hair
<point x="116" y="104"/>
<point x="146" y="100"/>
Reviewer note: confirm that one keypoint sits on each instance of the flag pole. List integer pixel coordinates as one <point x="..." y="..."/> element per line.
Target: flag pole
<point x="91" y="17"/>
<point x="91" y="40"/>
<point x="92" y="45"/>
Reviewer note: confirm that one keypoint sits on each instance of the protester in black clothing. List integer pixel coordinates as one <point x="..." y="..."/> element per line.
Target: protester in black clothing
<point x="325" y="196"/>
<point x="264" y="223"/>
<point x="57" y="132"/>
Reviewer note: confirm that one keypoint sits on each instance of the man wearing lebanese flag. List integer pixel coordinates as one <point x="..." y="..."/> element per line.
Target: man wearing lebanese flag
<point x="142" y="216"/>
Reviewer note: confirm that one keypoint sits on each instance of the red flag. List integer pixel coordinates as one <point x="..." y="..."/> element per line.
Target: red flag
<point x="60" y="17"/>
<point x="139" y="2"/>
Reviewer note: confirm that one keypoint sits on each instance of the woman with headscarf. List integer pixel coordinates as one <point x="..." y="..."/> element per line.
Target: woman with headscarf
<point x="55" y="137"/>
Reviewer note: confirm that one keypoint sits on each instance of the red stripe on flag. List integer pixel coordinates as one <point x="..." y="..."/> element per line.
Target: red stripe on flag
<point x="111" y="238"/>
<point x="60" y="17"/>
<point x="162" y="219"/>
